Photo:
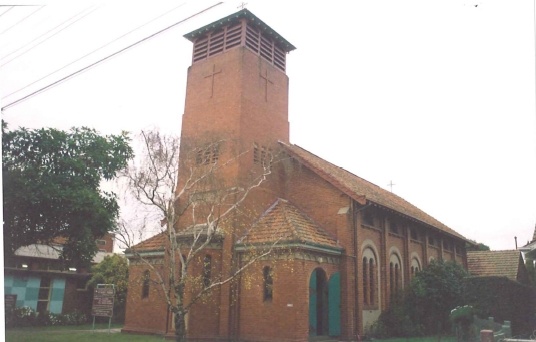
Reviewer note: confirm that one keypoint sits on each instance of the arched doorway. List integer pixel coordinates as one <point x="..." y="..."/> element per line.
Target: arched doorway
<point x="324" y="304"/>
<point x="318" y="300"/>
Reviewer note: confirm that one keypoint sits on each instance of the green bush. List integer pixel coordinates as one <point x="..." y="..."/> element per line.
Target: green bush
<point x="27" y="317"/>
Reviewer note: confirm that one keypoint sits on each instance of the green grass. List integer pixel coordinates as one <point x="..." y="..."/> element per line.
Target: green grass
<point x="81" y="333"/>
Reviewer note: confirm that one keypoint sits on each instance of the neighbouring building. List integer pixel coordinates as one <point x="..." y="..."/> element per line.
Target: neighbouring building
<point x="41" y="281"/>
<point x="508" y="264"/>
<point x="354" y="245"/>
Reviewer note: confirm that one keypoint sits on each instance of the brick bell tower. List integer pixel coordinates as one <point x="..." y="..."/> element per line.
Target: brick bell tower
<point x="237" y="87"/>
<point x="236" y="103"/>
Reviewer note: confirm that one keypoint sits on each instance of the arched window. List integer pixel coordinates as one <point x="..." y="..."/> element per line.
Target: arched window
<point x="268" y="283"/>
<point x="369" y="277"/>
<point x="415" y="266"/>
<point x="145" y="284"/>
<point x="207" y="270"/>
<point x="395" y="275"/>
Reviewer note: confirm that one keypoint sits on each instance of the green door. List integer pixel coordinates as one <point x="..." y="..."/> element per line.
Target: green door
<point x="334" y="305"/>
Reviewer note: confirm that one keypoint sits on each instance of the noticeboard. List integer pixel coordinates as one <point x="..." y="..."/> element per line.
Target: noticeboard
<point x="10" y="301"/>
<point x="103" y="302"/>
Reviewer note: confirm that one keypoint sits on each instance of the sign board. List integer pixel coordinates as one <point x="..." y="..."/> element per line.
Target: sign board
<point x="103" y="302"/>
<point x="10" y="301"/>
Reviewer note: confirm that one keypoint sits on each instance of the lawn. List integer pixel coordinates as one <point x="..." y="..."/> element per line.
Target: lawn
<point x="82" y="333"/>
<point x="85" y="334"/>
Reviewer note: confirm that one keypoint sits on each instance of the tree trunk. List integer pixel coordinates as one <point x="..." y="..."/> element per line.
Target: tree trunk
<point x="180" y="326"/>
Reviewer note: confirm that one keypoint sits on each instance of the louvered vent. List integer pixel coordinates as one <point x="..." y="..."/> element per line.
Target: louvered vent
<point x="228" y="37"/>
<point x="265" y="47"/>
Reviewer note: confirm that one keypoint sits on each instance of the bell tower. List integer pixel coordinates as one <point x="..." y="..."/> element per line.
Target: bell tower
<point x="237" y="87"/>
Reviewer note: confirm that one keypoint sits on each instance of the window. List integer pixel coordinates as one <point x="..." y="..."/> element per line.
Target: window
<point x="268" y="283"/>
<point x="43" y="298"/>
<point x="145" y="284"/>
<point x="415" y="266"/>
<point x="395" y="275"/>
<point x="207" y="155"/>
<point x="414" y="234"/>
<point x="207" y="270"/>
<point x="101" y="242"/>
<point x="368" y="219"/>
<point x="431" y="241"/>
<point x="394" y="228"/>
<point x="262" y="155"/>
<point x="369" y="277"/>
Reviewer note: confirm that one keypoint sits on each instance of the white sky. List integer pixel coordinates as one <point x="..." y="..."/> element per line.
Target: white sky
<point x="437" y="96"/>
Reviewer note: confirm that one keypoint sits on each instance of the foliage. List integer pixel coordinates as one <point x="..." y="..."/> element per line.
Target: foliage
<point x="425" y="307"/>
<point x="51" y="182"/>
<point x="27" y="317"/>
<point x="503" y="299"/>
<point x="193" y="206"/>
<point x="478" y="246"/>
<point x="113" y="270"/>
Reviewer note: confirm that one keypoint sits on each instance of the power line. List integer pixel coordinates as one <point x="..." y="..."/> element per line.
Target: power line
<point x="20" y="21"/>
<point x="90" y="53"/>
<point x="44" y="34"/>
<point x="105" y="58"/>
<point x="9" y="9"/>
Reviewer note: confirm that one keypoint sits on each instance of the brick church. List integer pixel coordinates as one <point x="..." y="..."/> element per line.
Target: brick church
<point x="353" y="245"/>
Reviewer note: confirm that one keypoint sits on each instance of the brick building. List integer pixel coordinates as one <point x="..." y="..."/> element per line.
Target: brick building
<point x="344" y="246"/>
<point x="43" y="282"/>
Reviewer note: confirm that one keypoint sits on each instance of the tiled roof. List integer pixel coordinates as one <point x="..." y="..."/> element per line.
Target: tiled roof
<point x="284" y="223"/>
<point x="494" y="263"/>
<point x="362" y="190"/>
<point x="154" y="243"/>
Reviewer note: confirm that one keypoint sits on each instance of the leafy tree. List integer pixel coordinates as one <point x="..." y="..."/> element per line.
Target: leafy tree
<point x="113" y="270"/>
<point x="434" y="292"/>
<point x="202" y="201"/>
<point x="425" y="307"/>
<point x="51" y="182"/>
<point x="478" y="246"/>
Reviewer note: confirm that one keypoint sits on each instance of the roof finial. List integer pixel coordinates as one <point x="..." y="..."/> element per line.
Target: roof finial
<point x="242" y="5"/>
<point x="391" y="185"/>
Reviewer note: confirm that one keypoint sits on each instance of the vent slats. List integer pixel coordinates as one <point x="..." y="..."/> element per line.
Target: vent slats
<point x="229" y="37"/>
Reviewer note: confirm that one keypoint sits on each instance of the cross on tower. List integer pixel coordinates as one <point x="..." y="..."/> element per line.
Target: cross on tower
<point x="242" y="5"/>
<point x="212" y="74"/>
<point x="266" y="80"/>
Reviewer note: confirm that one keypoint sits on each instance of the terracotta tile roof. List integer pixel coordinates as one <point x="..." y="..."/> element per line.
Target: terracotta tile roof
<point x="494" y="263"/>
<point x="286" y="223"/>
<point x="154" y="243"/>
<point x="362" y="190"/>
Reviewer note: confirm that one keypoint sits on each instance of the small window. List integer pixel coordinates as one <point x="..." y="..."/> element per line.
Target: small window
<point x="431" y="241"/>
<point x="262" y="155"/>
<point x="145" y="284"/>
<point x="268" y="283"/>
<point x="101" y="242"/>
<point x="368" y="219"/>
<point x="207" y="270"/>
<point x="394" y="228"/>
<point x="208" y="155"/>
<point x="414" y="234"/>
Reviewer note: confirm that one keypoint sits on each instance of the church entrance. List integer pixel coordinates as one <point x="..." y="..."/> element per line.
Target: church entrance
<point x="324" y="304"/>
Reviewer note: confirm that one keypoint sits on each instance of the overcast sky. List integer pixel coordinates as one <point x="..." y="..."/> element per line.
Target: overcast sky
<point x="436" y="96"/>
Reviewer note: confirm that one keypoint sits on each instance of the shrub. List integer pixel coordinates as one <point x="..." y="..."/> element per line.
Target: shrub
<point x="27" y="317"/>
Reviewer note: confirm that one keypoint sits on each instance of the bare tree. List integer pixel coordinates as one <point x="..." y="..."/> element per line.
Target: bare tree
<point x="197" y="206"/>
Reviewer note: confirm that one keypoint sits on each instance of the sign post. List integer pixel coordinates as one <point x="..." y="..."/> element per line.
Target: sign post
<point x="103" y="303"/>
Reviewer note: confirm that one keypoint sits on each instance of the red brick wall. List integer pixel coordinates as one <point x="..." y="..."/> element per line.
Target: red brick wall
<point x="145" y="315"/>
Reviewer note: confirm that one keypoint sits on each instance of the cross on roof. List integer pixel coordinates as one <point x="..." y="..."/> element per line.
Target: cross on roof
<point x="242" y="5"/>
<point x="391" y="185"/>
